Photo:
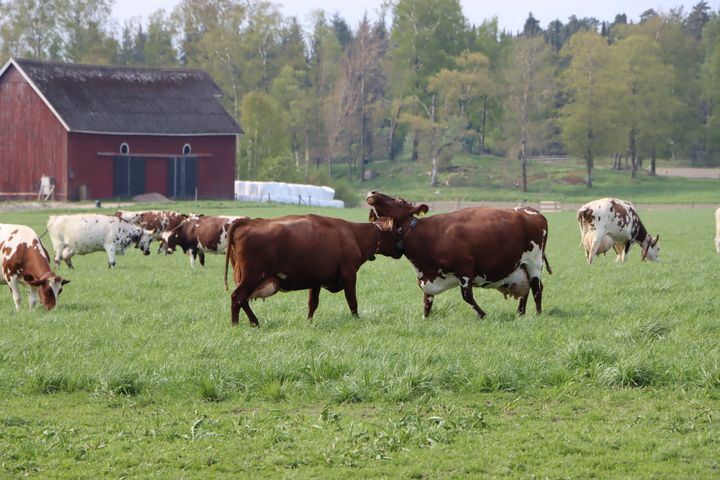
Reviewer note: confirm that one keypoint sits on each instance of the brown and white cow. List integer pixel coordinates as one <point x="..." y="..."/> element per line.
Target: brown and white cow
<point x="495" y="248"/>
<point x="299" y="252"/>
<point x="618" y="220"/>
<point x="154" y="221"/>
<point x="23" y="258"/>
<point x="197" y="235"/>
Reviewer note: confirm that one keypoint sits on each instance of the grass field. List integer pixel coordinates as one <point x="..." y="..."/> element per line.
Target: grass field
<point x="139" y="374"/>
<point x="494" y="178"/>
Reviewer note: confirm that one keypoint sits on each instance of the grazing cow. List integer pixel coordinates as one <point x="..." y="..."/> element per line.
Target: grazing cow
<point x="299" y="252"/>
<point x="605" y="245"/>
<point x="473" y="247"/>
<point x="23" y="258"/>
<point x="154" y="221"/>
<point x="717" y="230"/>
<point x="618" y="220"/>
<point x="198" y="234"/>
<point x="87" y="233"/>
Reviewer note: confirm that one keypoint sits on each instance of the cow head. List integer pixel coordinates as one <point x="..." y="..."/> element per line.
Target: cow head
<point x="142" y="240"/>
<point x="651" y="249"/>
<point x="398" y="209"/>
<point x="401" y="214"/>
<point x="170" y="240"/>
<point x="49" y="288"/>
<point x="388" y="238"/>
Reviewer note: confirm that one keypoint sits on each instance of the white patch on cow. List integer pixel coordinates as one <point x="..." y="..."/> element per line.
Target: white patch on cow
<point x="281" y="276"/>
<point x="465" y="282"/>
<point x="440" y="284"/>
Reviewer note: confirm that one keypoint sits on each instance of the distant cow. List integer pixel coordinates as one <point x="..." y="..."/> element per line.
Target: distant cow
<point x="717" y="230"/>
<point x="23" y="258"/>
<point x="87" y="233"/>
<point x="154" y="221"/>
<point x="618" y="220"/>
<point x="474" y="247"/>
<point x="299" y="252"/>
<point x="197" y="235"/>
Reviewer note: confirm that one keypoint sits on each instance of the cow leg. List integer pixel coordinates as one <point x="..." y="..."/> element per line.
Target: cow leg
<point x="111" y="255"/>
<point x="427" y="304"/>
<point x="522" y="304"/>
<point x="201" y="255"/>
<point x="467" y="295"/>
<point x="349" y="284"/>
<point x="32" y="297"/>
<point x="313" y="302"/>
<point x="239" y="299"/>
<point x="250" y="314"/>
<point x="537" y="288"/>
<point x="68" y="262"/>
<point x="15" y="289"/>
<point x="625" y="250"/>
<point x="192" y="254"/>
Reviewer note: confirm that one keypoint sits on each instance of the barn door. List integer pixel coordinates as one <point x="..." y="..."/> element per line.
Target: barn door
<point x="128" y="176"/>
<point x="182" y="177"/>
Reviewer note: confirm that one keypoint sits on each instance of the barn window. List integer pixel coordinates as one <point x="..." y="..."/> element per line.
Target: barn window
<point x="124" y="148"/>
<point x="186" y="149"/>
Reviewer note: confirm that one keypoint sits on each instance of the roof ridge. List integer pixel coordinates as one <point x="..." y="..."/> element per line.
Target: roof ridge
<point x="108" y="67"/>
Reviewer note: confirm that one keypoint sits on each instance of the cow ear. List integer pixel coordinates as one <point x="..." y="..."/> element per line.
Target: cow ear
<point x="421" y="210"/>
<point x="64" y="281"/>
<point x="657" y="239"/>
<point x="385" y="224"/>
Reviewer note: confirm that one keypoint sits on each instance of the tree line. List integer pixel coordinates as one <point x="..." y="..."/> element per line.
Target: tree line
<point x="417" y="80"/>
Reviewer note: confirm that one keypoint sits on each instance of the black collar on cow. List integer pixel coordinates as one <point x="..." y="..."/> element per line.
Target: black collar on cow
<point x="399" y="245"/>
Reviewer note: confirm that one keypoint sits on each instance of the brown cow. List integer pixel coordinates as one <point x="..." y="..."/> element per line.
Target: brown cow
<point x="198" y="234"/>
<point x="473" y="247"/>
<point x="154" y="221"/>
<point x="299" y="252"/>
<point x="24" y="258"/>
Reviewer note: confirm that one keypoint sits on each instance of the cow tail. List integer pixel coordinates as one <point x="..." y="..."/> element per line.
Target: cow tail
<point x="228" y="249"/>
<point x="43" y="234"/>
<point x="547" y="264"/>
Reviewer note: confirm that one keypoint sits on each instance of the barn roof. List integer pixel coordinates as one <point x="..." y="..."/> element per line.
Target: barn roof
<point x="129" y="100"/>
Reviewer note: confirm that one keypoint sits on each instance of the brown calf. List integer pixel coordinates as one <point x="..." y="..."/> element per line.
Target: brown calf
<point x="299" y="253"/>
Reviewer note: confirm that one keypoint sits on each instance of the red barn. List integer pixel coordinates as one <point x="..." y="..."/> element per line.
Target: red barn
<point x="110" y="131"/>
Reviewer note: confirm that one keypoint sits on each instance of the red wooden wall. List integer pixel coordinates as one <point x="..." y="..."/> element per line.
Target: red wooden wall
<point x="216" y="162"/>
<point x="32" y="140"/>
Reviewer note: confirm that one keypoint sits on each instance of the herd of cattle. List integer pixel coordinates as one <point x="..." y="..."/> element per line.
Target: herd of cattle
<point x="503" y="249"/>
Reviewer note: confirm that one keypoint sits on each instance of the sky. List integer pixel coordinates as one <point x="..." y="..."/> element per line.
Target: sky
<point x="511" y="13"/>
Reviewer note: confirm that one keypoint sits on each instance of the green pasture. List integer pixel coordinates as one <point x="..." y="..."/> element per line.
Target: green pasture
<point x="139" y="374"/>
<point x="477" y="178"/>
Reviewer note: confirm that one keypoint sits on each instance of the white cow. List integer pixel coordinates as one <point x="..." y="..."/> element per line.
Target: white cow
<point x="618" y="220"/>
<point x="87" y="233"/>
<point x="23" y="259"/>
<point x="717" y="230"/>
